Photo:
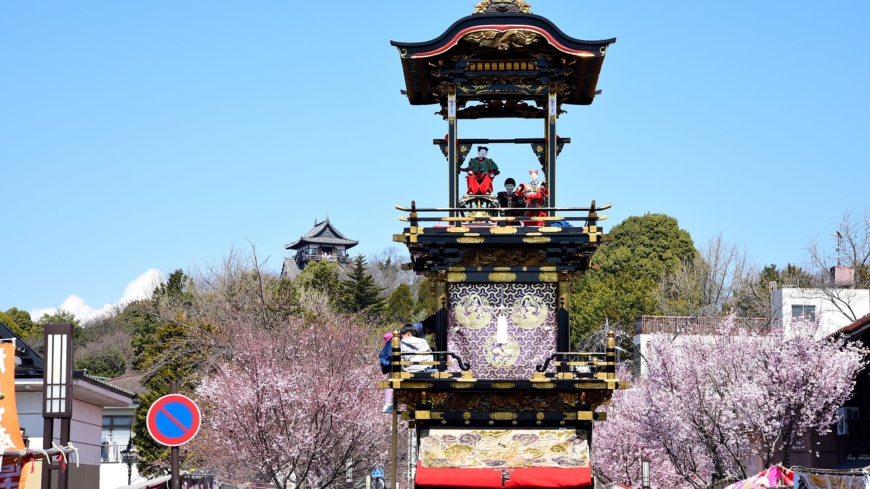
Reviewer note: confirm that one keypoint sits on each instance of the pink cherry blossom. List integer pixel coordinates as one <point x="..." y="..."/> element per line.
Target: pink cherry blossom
<point x="708" y="404"/>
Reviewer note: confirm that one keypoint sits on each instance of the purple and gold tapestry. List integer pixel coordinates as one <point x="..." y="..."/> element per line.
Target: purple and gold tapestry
<point x="527" y="340"/>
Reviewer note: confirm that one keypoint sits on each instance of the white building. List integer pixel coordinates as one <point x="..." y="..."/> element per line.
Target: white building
<point x="834" y="307"/>
<point x="90" y="396"/>
<point x="117" y="424"/>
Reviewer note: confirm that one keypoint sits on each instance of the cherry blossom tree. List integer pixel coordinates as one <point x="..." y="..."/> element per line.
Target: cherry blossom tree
<point x="707" y="404"/>
<point x="296" y="404"/>
<point x="618" y="443"/>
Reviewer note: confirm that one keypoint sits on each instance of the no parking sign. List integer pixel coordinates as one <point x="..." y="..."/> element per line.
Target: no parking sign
<point x="173" y="420"/>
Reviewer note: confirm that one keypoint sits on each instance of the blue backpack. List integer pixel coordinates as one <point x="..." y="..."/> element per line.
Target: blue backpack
<point x="385" y="357"/>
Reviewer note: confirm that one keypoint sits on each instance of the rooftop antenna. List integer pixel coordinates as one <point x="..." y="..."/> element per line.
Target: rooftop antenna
<point x="839" y="245"/>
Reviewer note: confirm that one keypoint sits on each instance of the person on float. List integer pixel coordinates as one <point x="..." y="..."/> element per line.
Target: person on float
<point x="481" y="170"/>
<point x="510" y="198"/>
<point x="415" y="349"/>
<point x="534" y="193"/>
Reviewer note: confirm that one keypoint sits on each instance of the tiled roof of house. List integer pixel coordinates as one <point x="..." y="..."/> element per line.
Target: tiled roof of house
<point x="857" y="327"/>
<point x="131" y="382"/>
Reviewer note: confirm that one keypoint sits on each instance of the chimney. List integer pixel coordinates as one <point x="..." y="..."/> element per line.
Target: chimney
<point x="843" y="276"/>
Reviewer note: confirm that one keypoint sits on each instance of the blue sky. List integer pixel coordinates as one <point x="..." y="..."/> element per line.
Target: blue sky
<point x="149" y="136"/>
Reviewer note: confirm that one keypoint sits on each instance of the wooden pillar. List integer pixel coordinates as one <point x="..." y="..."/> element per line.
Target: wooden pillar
<point x="396" y="375"/>
<point x="550" y="166"/>
<point x="451" y="150"/>
<point x="441" y="320"/>
<point x="47" y="438"/>
<point x="563" y="317"/>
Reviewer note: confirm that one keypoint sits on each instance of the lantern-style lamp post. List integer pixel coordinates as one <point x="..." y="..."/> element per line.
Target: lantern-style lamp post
<point x="644" y="473"/>
<point x="57" y="397"/>
<point x="130" y="456"/>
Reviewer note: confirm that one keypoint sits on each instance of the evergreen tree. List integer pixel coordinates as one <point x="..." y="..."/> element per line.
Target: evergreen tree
<point x="359" y="294"/>
<point x="108" y="363"/>
<point x="37" y="333"/>
<point x="401" y="305"/>
<point x="143" y="314"/>
<point x="320" y="277"/>
<point x="645" y="249"/>
<point x="426" y="298"/>
<point x="21" y="320"/>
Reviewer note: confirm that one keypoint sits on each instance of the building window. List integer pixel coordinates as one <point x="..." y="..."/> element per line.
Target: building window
<point x="808" y="311"/>
<point x="116" y="434"/>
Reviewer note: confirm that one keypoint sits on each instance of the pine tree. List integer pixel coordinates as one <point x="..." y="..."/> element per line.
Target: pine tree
<point x="359" y="294"/>
<point x="401" y="305"/>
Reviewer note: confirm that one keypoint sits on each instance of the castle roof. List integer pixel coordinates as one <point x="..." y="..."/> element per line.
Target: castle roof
<point x="323" y="233"/>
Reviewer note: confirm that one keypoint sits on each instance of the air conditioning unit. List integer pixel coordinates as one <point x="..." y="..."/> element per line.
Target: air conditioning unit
<point x="844" y="415"/>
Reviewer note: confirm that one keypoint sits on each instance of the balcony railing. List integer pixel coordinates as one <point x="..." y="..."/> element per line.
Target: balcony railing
<point x="111" y="452"/>
<point x="320" y="257"/>
<point x="696" y="325"/>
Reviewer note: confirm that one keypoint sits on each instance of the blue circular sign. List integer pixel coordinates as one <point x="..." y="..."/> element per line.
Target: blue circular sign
<point x="173" y="420"/>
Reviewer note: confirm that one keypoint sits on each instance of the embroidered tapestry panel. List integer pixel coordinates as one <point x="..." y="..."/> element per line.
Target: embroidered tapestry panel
<point x="530" y="314"/>
<point x="516" y="448"/>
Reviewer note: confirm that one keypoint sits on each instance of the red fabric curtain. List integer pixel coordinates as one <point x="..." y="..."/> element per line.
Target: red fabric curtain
<point x="526" y="478"/>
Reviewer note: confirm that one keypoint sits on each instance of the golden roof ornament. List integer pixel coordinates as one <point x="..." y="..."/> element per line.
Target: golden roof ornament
<point x="502" y="7"/>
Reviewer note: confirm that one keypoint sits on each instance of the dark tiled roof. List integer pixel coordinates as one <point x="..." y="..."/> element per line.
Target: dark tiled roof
<point x="322" y="233"/>
<point x="90" y="379"/>
<point x="29" y="358"/>
<point x="131" y="382"/>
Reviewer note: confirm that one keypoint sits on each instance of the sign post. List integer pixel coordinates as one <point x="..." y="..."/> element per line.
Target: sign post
<point x="378" y="478"/>
<point x="173" y="420"/>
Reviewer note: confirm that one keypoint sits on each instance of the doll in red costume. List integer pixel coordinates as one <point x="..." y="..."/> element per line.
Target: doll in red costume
<point x="535" y="194"/>
<point x="481" y="171"/>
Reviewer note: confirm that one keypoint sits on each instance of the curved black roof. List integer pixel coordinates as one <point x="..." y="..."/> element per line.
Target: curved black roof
<point x="421" y="60"/>
<point x="472" y="23"/>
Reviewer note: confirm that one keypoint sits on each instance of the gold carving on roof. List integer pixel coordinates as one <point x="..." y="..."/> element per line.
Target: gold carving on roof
<point x="503" y="385"/>
<point x="481" y="7"/>
<point x="502" y="6"/>
<point x="503" y="416"/>
<point x="512" y="38"/>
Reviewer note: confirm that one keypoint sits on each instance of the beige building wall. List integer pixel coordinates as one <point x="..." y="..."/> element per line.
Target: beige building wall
<point x="86" y="429"/>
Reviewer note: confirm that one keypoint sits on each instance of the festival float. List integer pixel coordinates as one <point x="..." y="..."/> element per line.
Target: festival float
<point x="504" y="401"/>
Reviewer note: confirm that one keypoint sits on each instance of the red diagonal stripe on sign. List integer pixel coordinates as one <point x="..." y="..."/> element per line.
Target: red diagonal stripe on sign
<point x="163" y="410"/>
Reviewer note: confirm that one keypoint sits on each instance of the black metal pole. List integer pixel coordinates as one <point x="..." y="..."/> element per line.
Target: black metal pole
<point x="175" y="479"/>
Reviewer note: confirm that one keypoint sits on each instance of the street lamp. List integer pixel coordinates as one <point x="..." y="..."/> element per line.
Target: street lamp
<point x="130" y="456"/>
<point x="644" y="473"/>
